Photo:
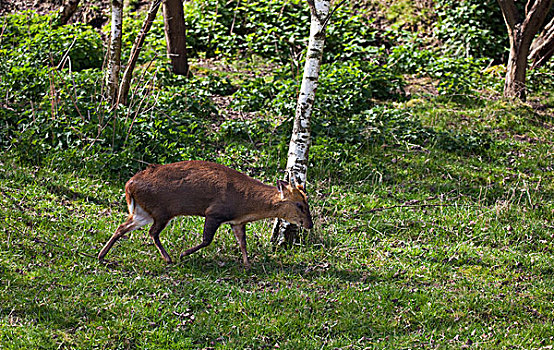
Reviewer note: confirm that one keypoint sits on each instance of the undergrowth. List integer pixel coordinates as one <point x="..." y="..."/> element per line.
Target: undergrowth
<point x="433" y="212"/>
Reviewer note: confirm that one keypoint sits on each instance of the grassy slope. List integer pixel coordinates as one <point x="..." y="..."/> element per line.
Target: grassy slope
<point x="412" y="247"/>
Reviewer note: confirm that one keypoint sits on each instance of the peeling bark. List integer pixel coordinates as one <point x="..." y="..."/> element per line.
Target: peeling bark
<point x="297" y="162"/>
<point x="114" y="60"/>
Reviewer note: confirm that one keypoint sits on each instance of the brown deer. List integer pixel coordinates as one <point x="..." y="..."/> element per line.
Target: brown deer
<point x="216" y="192"/>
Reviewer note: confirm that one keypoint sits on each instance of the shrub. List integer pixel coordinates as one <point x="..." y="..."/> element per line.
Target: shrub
<point x="350" y="36"/>
<point x="410" y="57"/>
<point x="350" y="87"/>
<point x="400" y="126"/>
<point x="471" y="28"/>
<point x="227" y="28"/>
<point x="462" y="76"/>
<point x="34" y="39"/>
<point x="273" y="29"/>
<point x="344" y="89"/>
<point x="31" y="45"/>
<point x="542" y="79"/>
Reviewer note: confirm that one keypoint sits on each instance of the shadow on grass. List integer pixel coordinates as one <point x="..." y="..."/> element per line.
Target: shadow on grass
<point x="227" y="268"/>
<point x="72" y="195"/>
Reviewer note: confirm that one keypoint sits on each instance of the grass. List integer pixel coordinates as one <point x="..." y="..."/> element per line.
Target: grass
<point x="434" y="215"/>
<point x="413" y="247"/>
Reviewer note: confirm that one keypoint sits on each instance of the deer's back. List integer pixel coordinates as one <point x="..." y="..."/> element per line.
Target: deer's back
<point x="190" y="188"/>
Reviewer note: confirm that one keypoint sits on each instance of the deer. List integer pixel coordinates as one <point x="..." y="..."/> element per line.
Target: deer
<point x="220" y="194"/>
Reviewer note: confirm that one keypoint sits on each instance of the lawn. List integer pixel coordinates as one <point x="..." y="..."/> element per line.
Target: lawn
<point x="414" y="245"/>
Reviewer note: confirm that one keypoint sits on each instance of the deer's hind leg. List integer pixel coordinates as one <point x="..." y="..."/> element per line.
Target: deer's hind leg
<point x="155" y="230"/>
<point x="137" y="218"/>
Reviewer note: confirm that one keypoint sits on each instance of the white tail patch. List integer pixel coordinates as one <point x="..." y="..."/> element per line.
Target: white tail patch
<point x="140" y="216"/>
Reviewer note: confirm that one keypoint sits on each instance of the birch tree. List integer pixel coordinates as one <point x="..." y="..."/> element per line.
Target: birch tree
<point x="135" y="51"/>
<point x="297" y="161"/>
<point x="522" y="29"/>
<point x="114" y="58"/>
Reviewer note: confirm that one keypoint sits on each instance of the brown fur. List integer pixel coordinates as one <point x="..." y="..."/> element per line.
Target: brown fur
<point x="199" y="188"/>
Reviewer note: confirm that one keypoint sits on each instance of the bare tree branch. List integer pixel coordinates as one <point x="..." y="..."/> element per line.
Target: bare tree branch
<point x="535" y="16"/>
<point x="510" y="13"/>
<point x="542" y="48"/>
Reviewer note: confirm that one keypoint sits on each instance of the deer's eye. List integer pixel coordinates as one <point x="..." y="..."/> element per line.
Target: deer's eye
<point x="300" y="206"/>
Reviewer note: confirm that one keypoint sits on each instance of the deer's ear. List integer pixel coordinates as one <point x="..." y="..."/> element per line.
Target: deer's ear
<point x="281" y="185"/>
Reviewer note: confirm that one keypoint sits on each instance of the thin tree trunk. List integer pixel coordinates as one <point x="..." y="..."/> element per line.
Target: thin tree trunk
<point x="67" y="10"/>
<point x="114" y="60"/>
<point x="175" y="34"/>
<point x="135" y="51"/>
<point x="297" y="162"/>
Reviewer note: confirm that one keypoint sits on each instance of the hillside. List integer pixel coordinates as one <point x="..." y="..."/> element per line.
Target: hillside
<point x="432" y="196"/>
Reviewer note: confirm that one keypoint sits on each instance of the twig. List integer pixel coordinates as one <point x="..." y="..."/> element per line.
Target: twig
<point x="66" y="55"/>
<point x="4" y="26"/>
<point x="146" y="95"/>
<point x="72" y="97"/>
<point x="420" y="206"/>
<point x="234" y="18"/>
<point x="331" y="14"/>
<point x="41" y="241"/>
<point x="138" y="84"/>
<point x="141" y="161"/>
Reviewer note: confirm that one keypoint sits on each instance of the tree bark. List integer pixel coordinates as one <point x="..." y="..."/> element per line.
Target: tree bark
<point x="135" y="51"/>
<point x="175" y="34"/>
<point x="67" y="10"/>
<point x="521" y="32"/>
<point x="542" y="48"/>
<point x="516" y="69"/>
<point x="114" y="60"/>
<point x="297" y="162"/>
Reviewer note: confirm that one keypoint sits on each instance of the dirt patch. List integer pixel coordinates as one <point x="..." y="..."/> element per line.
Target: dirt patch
<point x="94" y="13"/>
<point x="420" y="86"/>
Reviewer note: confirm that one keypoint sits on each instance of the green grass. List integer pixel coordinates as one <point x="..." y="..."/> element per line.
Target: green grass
<point x="412" y="247"/>
<point x="434" y="215"/>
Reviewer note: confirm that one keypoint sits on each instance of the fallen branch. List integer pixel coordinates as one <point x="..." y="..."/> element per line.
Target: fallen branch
<point x="45" y="242"/>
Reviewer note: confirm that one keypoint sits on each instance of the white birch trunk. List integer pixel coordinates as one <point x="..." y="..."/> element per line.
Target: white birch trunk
<point x="297" y="162"/>
<point x="114" y="59"/>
